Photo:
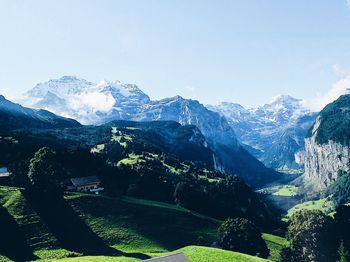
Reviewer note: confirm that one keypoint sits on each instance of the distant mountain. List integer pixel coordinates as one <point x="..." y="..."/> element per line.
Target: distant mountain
<point x="274" y="132"/>
<point x="87" y="102"/>
<point x="106" y="101"/>
<point x="15" y="116"/>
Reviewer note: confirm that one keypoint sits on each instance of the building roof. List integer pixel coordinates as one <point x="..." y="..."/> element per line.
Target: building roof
<point x="4" y="172"/>
<point x="178" y="257"/>
<point x="86" y="180"/>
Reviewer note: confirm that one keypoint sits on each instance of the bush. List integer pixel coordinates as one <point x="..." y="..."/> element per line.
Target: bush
<point x="243" y="236"/>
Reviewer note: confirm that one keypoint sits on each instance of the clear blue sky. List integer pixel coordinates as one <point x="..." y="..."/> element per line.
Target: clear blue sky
<point x="243" y="51"/>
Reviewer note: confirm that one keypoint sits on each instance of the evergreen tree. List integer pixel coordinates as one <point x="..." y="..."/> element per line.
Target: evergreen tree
<point x="344" y="254"/>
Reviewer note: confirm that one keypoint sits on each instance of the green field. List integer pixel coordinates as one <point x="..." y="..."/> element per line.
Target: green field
<point x="288" y="191"/>
<point x="323" y="204"/>
<point x="132" y="159"/>
<point x="135" y="229"/>
<point x="194" y="253"/>
<point x="275" y="245"/>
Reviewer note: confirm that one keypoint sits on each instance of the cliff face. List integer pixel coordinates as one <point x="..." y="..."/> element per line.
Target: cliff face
<point x="324" y="160"/>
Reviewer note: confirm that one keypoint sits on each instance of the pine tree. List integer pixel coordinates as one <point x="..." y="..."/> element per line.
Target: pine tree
<point x="344" y="255"/>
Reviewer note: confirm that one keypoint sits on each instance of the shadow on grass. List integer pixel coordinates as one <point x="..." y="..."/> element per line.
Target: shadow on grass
<point x="169" y="228"/>
<point x="13" y="243"/>
<point x="70" y="230"/>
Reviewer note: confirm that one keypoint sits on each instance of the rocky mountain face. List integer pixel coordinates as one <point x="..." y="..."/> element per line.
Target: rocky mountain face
<point x="327" y="146"/>
<point x="274" y="132"/>
<point x="14" y="116"/>
<point x="106" y="101"/>
<point x="229" y="156"/>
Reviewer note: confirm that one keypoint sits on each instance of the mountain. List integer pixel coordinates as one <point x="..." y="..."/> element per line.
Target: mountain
<point x="87" y="102"/>
<point x="186" y="142"/>
<point x="287" y="149"/>
<point x="107" y="101"/>
<point x="229" y="155"/>
<point x="14" y="116"/>
<point x="159" y="160"/>
<point x="327" y="145"/>
<point x="274" y="132"/>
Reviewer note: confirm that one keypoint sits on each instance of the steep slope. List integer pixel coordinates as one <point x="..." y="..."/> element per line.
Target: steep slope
<point x="327" y="144"/>
<point x="230" y="156"/>
<point x="273" y="132"/>
<point x="107" y="101"/>
<point x="115" y="141"/>
<point x="189" y="112"/>
<point x="159" y="160"/>
<point x="185" y="142"/>
<point x="13" y="116"/>
<point x="153" y="229"/>
<point x="287" y="149"/>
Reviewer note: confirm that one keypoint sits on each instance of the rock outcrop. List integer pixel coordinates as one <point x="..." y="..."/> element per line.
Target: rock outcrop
<point x="327" y="144"/>
<point x="323" y="161"/>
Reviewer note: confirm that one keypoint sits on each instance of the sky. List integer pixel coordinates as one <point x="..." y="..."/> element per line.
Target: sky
<point x="244" y="51"/>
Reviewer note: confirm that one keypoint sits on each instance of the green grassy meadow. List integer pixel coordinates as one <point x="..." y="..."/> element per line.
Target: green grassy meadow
<point x="323" y="204"/>
<point x="134" y="229"/>
<point x="287" y="190"/>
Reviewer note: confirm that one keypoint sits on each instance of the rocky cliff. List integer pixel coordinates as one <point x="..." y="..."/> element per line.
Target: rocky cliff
<point x="323" y="161"/>
<point x="327" y="148"/>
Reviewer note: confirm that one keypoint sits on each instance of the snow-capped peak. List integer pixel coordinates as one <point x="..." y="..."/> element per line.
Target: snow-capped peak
<point x="78" y="98"/>
<point x="284" y="99"/>
<point x="62" y="87"/>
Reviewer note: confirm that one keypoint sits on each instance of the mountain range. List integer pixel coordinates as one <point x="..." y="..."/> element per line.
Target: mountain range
<point x="273" y="133"/>
<point x="155" y="160"/>
<point x="91" y="103"/>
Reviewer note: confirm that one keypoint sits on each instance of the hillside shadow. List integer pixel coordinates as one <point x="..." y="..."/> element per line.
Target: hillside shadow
<point x="13" y="243"/>
<point x="167" y="228"/>
<point x="70" y="230"/>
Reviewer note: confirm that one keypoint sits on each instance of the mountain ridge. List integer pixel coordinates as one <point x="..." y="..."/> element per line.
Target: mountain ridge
<point x="270" y="129"/>
<point x="14" y="116"/>
<point x="105" y="102"/>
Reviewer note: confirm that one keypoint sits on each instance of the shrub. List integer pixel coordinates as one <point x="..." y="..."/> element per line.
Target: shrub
<point x="241" y="235"/>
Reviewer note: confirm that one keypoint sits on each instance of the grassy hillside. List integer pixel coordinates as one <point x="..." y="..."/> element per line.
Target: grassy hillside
<point x="146" y="226"/>
<point x="194" y="253"/>
<point x="323" y="204"/>
<point x="275" y="245"/>
<point x="134" y="229"/>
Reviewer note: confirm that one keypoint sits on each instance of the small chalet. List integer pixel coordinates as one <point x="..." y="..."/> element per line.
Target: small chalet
<point x="86" y="184"/>
<point x="4" y="172"/>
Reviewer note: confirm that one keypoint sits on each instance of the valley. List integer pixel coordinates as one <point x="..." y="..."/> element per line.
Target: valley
<point x="167" y="176"/>
<point x="174" y="131"/>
